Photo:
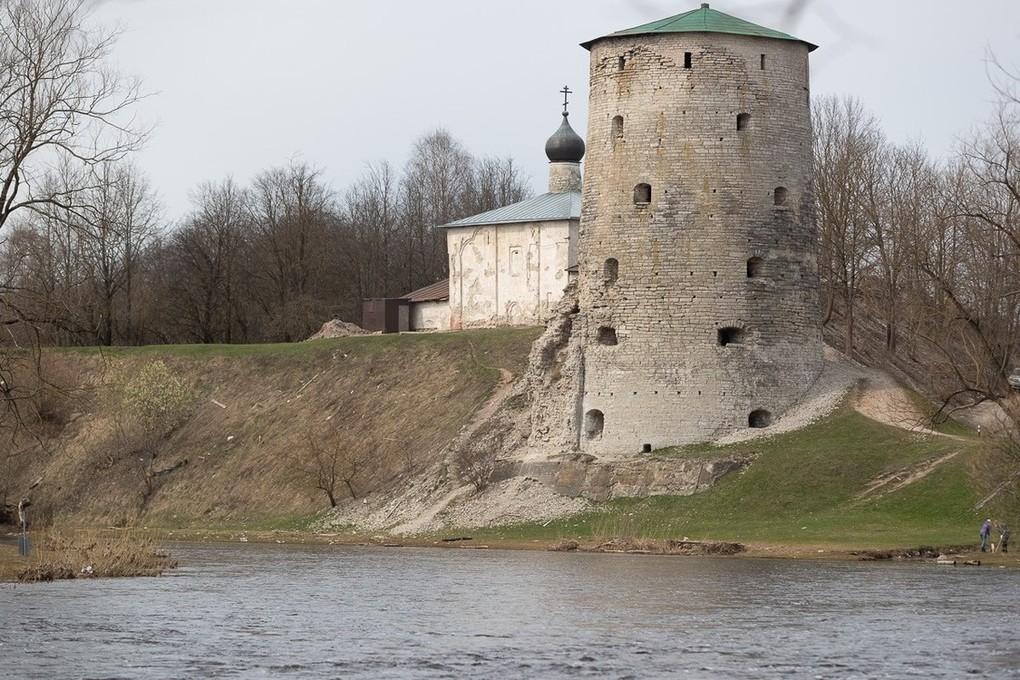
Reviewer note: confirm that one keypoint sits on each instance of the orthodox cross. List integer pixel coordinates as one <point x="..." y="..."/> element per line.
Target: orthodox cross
<point x="566" y="90"/>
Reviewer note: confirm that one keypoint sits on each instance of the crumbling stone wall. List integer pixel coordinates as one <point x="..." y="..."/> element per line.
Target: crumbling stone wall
<point x="553" y="382"/>
<point x="697" y="281"/>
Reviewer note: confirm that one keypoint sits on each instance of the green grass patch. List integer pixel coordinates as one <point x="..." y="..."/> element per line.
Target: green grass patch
<point x="802" y="488"/>
<point x="486" y="340"/>
<point x="486" y="349"/>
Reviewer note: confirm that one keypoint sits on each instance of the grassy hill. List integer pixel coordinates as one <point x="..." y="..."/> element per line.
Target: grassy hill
<point x="212" y="436"/>
<point x="843" y="482"/>
<point x="237" y="437"/>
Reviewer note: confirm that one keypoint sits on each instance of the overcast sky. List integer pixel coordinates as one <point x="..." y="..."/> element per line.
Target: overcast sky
<point x="244" y="85"/>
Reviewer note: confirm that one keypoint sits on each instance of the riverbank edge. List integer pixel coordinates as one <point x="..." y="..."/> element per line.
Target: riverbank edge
<point x="960" y="556"/>
<point x="464" y="541"/>
<point x="749" y="550"/>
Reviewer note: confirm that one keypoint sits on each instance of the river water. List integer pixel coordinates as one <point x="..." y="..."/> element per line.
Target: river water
<point x="250" y="610"/>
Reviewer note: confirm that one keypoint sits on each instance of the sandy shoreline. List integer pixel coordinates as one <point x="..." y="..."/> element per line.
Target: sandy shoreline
<point x="964" y="556"/>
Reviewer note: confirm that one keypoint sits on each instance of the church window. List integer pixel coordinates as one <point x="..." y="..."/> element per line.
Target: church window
<point x="779" y="196"/>
<point x="643" y="194"/>
<point x="743" y="121"/>
<point x="611" y="270"/>
<point x="759" y="419"/>
<point x="755" y="267"/>
<point x="516" y="264"/>
<point x="594" y="422"/>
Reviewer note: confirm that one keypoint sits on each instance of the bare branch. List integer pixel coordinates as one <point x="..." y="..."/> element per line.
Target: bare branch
<point x="58" y="99"/>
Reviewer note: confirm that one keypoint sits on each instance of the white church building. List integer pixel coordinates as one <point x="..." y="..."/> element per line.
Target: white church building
<point x="508" y="266"/>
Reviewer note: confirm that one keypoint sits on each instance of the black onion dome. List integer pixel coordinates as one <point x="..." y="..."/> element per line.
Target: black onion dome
<point x="565" y="146"/>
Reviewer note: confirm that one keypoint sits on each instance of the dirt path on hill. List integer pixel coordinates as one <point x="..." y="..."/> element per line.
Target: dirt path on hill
<point x="880" y="399"/>
<point x="894" y="481"/>
<point x="886" y="402"/>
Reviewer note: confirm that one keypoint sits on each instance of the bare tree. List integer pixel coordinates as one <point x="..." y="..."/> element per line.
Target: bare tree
<point x="899" y="206"/>
<point x="203" y="262"/>
<point x="117" y="222"/>
<point x="45" y="289"/>
<point x="497" y="182"/>
<point x="293" y="226"/>
<point x="474" y="464"/>
<point x="1004" y="77"/>
<point x="370" y="212"/>
<point x="436" y="185"/>
<point x="334" y="467"/>
<point x="847" y="151"/>
<point x="58" y="100"/>
<point x="61" y="109"/>
<point x="984" y="291"/>
<point x="443" y="182"/>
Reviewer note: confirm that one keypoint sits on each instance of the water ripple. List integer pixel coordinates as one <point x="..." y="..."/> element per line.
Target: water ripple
<point x="325" y="612"/>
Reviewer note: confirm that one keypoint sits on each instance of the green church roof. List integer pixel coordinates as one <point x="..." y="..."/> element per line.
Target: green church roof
<point x="702" y="20"/>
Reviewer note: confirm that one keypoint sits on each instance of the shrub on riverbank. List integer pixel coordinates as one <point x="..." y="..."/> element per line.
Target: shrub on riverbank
<point x="76" y="555"/>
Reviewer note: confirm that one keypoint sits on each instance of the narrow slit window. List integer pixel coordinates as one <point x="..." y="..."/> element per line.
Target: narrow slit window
<point x="779" y="196"/>
<point x="687" y="59"/>
<point x="763" y="62"/>
<point x="594" y="423"/>
<point x="743" y="121"/>
<point x="621" y="63"/>
<point x="617" y="129"/>
<point x="643" y="194"/>
<point x="755" y="267"/>
<point x="611" y="270"/>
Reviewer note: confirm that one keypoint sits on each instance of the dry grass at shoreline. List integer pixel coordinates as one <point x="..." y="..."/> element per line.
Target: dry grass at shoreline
<point x="466" y="539"/>
<point x="57" y="555"/>
<point x="11" y="564"/>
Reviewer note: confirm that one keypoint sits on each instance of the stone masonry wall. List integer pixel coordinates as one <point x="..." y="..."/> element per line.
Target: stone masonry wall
<point x="564" y="177"/>
<point x="698" y="283"/>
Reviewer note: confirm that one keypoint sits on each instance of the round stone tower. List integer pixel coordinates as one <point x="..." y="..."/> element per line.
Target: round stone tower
<point x="698" y="284"/>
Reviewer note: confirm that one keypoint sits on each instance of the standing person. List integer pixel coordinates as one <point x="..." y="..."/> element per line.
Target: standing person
<point x="986" y="529"/>
<point x="1003" y="536"/>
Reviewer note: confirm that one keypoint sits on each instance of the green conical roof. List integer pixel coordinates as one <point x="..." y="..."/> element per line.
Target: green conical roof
<point x="702" y="20"/>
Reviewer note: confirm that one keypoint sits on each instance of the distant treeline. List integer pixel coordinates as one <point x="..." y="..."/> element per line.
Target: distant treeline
<point x="923" y="255"/>
<point x="926" y="251"/>
<point x="270" y="261"/>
